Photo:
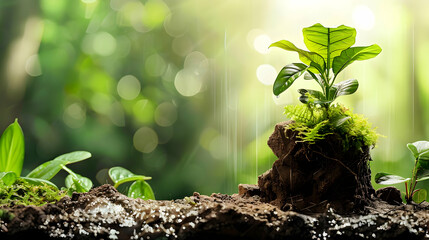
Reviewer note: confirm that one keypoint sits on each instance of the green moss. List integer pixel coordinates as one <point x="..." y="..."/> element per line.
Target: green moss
<point x="22" y="193"/>
<point x="314" y="123"/>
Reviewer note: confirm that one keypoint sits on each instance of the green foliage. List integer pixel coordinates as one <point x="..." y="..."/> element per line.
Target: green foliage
<point x="420" y="151"/>
<point x="138" y="189"/>
<point x="331" y="51"/>
<point x="312" y="122"/>
<point x="12" y="149"/>
<point x="22" y="193"/>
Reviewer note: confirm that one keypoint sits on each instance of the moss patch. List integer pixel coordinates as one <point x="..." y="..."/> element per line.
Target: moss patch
<point x="314" y="123"/>
<point x="22" y="193"/>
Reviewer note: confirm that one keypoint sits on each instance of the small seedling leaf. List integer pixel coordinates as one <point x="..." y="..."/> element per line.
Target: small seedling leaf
<point x="78" y="183"/>
<point x="8" y="178"/>
<point x="12" y="149"/>
<point x="141" y="189"/>
<point x="388" y="179"/>
<point x="121" y="175"/>
<point x="420" y="149"/>
<point x="38" y="181"/>
<point x="287" y="76"/>
<point x="346" y="87"/>
<point x="310" y="58"/>
<point x="419" y="195"/>
<point x="49" y="169"/>
<point x="340" y="120"/>
<point x="348" y="56"/>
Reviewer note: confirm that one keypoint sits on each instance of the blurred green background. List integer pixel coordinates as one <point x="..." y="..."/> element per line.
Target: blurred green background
<point x="181" y="90"/>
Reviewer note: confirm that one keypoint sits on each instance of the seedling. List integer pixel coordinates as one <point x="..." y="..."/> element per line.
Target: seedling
<point x="12" y="159"/>
<point x="420" y="173"/>
<point x="330" y="53"/>
<point x="138" y="189"/>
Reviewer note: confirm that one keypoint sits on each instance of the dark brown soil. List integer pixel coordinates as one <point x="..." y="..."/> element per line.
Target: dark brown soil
<point x="314" y="177"/>
<point x="103" y="213"/>
<point x="315" y="191"/>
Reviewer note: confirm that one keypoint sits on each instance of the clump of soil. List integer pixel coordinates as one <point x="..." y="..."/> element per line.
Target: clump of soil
<point x="104" y="213"/>
<point x="314" y="177"/>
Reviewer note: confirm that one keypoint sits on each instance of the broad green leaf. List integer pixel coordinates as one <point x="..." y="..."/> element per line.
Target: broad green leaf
<point x="121" y="175"/>
<point x="78" y="183"/>
<point x="346" y="87"/>
<point x="49" y="169"/>
<point x="8" y="178"/>
<point x="420" y="195"/>
<point x="141" y="189"/>
<point x="388" y="179"/>
<point x="38" y="181"/>
<point x="309" y="58"/>
<point x="12" y="149"/>
<point x="328" y="42"/>
<point x="287" y="76"/>
<point x="420" y="149"/>
<point x="350" y="55"/>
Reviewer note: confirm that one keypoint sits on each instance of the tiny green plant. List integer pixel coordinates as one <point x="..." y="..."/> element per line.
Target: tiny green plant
<point x="330" y="53"/>
<point x="12" y="158"/>
<point x="12" y="152"/>
<point x="420" y="151"/>
<point x="138" y="189"/>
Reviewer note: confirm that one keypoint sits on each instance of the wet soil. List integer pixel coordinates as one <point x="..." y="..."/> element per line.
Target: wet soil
<point x="320" y="191"/>
<point x="104" y="213"/>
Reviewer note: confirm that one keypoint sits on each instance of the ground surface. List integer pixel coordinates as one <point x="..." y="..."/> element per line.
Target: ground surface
<point x="103" y="213"/>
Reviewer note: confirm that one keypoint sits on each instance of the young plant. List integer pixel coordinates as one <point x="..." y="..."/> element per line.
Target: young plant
<point x="138" y="189"/>
<point x="12" y="158"/>
<point x="420" y="173"/>
<point x="330" y="53"/>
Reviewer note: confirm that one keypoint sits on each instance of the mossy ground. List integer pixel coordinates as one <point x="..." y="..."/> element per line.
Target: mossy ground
<point x="22" y="193"/>
<point x="314" y="123"/>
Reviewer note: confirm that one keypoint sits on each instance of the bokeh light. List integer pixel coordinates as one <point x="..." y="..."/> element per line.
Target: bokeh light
<point x="128" y="87"/>
<point x="145" y="140"/>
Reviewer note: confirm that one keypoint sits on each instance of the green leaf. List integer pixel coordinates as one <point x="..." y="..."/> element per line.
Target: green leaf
<point x="78" y="183"/>
<point x="350" y="55"/>
<point x="328" y="42"/>
<point x="388" y="179"/>
<point x="346" y="87"/>
<point x="8" y="178"/>
<point x="38" y="181"/>
<point x="12" y="149"/>
<point x="121" y="175"/>
<point x="141" y="189"/>
<point x="49" y="169"/>
<point x="420" y="149"/>
<point x="287" y="76"/>
<point x="340" y="120"/>
<point x="419" y="195"/>
<point x="313" y="96"/>
<point x="309" y="58"/>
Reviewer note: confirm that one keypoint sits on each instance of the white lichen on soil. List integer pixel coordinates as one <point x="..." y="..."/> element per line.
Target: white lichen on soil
<point x="119" y="217"/>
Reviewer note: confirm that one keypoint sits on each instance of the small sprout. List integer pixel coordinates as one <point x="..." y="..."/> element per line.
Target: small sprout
<point x="189" y="201"/>
<point x="420" y="173"/>
<point x="139" y="189"/>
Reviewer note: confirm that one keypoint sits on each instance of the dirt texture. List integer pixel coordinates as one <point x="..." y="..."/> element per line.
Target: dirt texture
<point x="314" y="191"/>
<point x="104" y="213"/>
<point x="315" y="177"/>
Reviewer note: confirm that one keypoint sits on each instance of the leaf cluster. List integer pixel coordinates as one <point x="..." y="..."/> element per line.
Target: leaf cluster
<point x="38" y="180"/>
<point x="420" y="151"/>
<point x="314" y="123"/>
<point x="330" y="52"/>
